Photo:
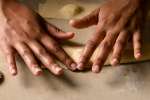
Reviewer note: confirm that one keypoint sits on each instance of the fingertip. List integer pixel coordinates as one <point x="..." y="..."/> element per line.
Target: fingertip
<point x="65" y="35"/>
<point x="95" y="69"/>
<point x="80" y="66"/>
<point x="56" y="70"/>
<point x="12" y="71"/>
<point x="70" y="34"/>
<point x="72" y="22"/>
<point x="73" y="66"/>
<point x="38" y="72"/>
<point x="115" y="62"/>
<point x="59" y="71"/>
<point x="138" y="56"/>
<point x="14" y="74"/>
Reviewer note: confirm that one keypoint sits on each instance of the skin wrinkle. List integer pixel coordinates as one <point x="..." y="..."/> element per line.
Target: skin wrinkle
<point x="113" y="17"/>
<point x="33" y="33"/>
<point x="22" y="30"/>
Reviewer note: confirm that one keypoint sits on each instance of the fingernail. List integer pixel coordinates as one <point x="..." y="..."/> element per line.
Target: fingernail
<point x="70" y="33"/>
<point x="37" y="71"/>
<point x="71" y="22"/>
<point x="80" y="66"/>
<point x="73" y="66"/>
<point x="59" y="71"/>
<point x="115" y="62"/>
<point x="12" y="71"/>
<point x="138" y="55"/>
<point x="95" y="69"/>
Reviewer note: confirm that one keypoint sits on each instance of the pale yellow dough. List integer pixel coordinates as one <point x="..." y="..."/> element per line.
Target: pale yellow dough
<point x="127" y="57"/>
<point x="70" y="10"/>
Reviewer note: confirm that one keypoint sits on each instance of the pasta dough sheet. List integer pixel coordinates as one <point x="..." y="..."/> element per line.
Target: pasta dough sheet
<point x="127" y="57"/>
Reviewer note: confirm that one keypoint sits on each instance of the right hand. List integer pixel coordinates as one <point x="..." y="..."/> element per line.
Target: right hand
<point x="116" y="21"/>
<point x="26" y="33"/>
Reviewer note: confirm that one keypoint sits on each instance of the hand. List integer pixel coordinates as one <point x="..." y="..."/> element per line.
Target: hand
<point x="26" y="33"/>
<point x="116" y="21"/>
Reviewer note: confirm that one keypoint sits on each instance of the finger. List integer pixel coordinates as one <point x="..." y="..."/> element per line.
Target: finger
<point x="28" y="57"/>
<point x="86" y="21"/>
<point x="137" y="41"/>
<point x="11" y="62"/>
<point x="137" y="44"/>
<point x="104" y="49"/>
<point x="56" y="50"/>
<point x="90" y="47"/>
<point x="45" y="58"/>
<point x="119" y="47"/>
<point x="54" y="31"/>
<point x="106" y="46"/>
<point x="58" y="33"/>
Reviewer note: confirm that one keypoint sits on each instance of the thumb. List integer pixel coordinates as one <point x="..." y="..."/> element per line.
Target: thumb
<point x="86" y="21"/>
<point x="58" y="33"/>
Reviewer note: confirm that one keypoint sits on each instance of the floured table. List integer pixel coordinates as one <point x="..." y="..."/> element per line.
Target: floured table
<point x="126" y="82"/>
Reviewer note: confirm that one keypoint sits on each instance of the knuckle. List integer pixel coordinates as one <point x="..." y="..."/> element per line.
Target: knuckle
<point x="84" y="57"/>
<point x="41" y="51"/>
<point x="99" y="60"/>
<point x="139" y="40"/>
<point x="49" y="63"/>
<point x="25" y="52"/>
<point x="116" y="29"/>
<point x="111" y="32"/>
<point x="67" y="61"/>
<point x="62" y="56"/>
<point x="10" y="62"/>
<point x="56" y="49"/>
<point x="91" y="43"/>
<point x="120" y="43"/>
<point x="106" y="45"/>
<point x="46" y="61"/>
<point x="8" y="54"/>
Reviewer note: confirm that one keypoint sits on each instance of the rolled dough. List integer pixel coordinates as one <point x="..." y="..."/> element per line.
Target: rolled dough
<point x="51" y="8"/>
<point x="70" y="10"/>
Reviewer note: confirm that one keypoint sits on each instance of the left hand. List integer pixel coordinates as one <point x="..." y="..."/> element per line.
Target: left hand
<point x="26" y="33"/>
<point x="116" y="21"/>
